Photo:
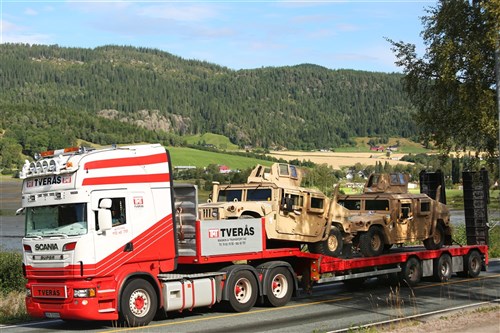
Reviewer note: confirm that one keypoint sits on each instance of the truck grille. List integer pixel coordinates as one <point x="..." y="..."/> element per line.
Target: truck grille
<point x="206" y="214"/>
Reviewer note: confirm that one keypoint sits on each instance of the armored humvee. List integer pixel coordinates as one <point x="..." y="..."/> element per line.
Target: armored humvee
<point x="386" y="214"/>
<point x="294" y="214"/>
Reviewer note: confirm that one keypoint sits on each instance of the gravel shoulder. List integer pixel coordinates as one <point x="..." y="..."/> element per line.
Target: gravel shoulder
<point x="484" y="319"/>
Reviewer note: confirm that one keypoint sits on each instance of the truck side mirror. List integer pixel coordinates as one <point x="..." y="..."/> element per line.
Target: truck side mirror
<point x="104" y="215"/>
<point x="104" y="218"/>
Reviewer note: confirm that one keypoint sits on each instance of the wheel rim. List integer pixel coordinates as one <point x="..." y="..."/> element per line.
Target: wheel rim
<point x="279" y="286"/>
<point x="333" y="244"/>
<point x="243" y="290"/>
<point x="412" y="273"/>
<point x="474" y="263"/>
<point x="376" y="242"/>
<point x="445" y="268"/>
<point x="139" y="303"/>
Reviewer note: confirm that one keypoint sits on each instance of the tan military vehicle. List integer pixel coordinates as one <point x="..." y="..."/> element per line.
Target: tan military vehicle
<point x="293" y="213"/>
<point x="386" y="214"/>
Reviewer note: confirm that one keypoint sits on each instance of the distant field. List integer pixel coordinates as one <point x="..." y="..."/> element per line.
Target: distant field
<point x="199" y="158"/>
<point x="405" y="146"/>
<point x="338" y="160"/>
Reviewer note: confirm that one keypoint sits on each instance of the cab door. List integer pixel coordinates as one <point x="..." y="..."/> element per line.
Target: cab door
<point x="112" y="245"/>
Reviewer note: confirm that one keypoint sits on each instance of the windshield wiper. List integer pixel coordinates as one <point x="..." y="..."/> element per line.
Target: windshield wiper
<point x="56" y="235"/>
<point x="34" y="236"/>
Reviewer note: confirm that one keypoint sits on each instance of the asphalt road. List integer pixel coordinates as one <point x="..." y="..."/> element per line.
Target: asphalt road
<point x="330" y="308"/>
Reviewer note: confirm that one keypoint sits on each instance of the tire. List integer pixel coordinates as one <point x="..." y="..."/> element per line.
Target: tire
<point x="279" y="287"/>
<point x="472" y="265"/>
<point x="139" y="303"/>
<point x="371" y="243"/>
<point x="332" y="246"/>
<point x="442" y="268"/>
<point x="436" y="241"/>
<point x="242" y="291"/>
<point x="411" y="272"/>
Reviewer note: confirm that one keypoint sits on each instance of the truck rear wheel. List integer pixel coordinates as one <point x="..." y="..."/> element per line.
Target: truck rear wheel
<point x="138" y="303"/>
<point x="436" y="241"/>
<point x="242" y="291"/>
<point x="332" y="246"/>
<point x="442" y="268"/>
<point x="279" y="286"/>
<point x="411" y="272"/>
<point x="472" y="265"/>
<point x="371" y="243"/>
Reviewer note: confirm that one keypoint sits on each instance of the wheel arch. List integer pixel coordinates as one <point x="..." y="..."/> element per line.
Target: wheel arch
<point x="144" y="276"/>
<point x="251" y="213"/>
<point x="233" y="269"/>
<point x="264" y="269"/>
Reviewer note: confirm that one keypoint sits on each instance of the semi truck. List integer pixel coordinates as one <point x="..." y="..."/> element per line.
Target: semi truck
<point x="110" y="236"/>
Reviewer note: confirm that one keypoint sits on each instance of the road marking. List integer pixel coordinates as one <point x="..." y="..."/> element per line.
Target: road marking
<point x="457" y="282"/>
<point x="229" y="315"/>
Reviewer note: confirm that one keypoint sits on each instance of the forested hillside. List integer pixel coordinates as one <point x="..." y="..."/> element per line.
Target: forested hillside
<point x="126" y="94"/>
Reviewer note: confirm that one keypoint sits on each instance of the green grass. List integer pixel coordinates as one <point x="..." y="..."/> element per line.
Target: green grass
<point x="219" y="141"/>
<point x="200" y="158"/>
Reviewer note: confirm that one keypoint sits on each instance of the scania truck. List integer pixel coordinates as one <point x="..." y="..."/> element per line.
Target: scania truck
<point x="110" y="236"/>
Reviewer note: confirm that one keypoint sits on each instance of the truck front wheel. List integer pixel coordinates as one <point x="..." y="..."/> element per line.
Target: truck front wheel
<point x="138" y="303"/>
<point x="242" y="291"/>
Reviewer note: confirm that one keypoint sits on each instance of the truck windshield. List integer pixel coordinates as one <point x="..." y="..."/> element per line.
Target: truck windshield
<point x="58" y="220"/>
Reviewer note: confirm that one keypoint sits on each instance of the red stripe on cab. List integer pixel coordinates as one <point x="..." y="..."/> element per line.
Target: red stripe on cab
<point x="156" y="178"/>
<point x="125" y="162"/>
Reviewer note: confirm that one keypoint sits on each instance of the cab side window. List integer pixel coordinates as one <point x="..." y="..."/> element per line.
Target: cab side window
<point x="118" y="214"/>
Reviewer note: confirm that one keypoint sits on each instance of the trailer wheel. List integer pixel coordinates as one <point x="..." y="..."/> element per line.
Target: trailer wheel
<point x="371" y="243"/>
<point x="411" y="272"/>
<point x="436" y="241"/>
<point x="442" y="268"/>
<point x="242" y="291"/>
<point x="332" y="246"/>
<point x="138" y="303"/>
<point x="472" y="265"/>
<point x="279" y="287"/>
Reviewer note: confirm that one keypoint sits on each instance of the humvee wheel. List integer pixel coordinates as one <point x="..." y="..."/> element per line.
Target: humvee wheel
<point x="436" y="241"/>
<point x="332" y="246"/>
<point x="371" y="243"/>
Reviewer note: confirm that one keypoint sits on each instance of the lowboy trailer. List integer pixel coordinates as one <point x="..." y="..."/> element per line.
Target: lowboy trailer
<point x="109" y="237"/>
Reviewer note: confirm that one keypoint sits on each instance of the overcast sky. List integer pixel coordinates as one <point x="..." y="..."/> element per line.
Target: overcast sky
<point x="235" y="34"/>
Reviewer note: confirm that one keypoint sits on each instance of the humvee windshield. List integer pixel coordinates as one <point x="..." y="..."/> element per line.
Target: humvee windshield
<point x="260" y="194"/>
<point x="229" y="195"/>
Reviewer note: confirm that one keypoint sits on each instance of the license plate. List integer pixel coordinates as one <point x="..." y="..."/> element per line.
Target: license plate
<point x="53" y="315"/>
<point x="49" y="291"/>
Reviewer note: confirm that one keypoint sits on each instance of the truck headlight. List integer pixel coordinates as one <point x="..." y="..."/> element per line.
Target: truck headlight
<point x="84" y="293"/>
<point x="28" y="292"/>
